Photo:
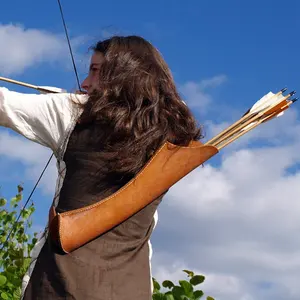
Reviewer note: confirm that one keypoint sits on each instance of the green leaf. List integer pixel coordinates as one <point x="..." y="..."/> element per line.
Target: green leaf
<point x="155" y="285"/>
<point x="210" y="298"/>
<point x="197" y="279"/>
<point x="26" y="262"/>
<point x="20" y="189"/>
<point x="3" y="202"/>
<point x="168" y="284"/>
<point x="32" y="208"/>
<point x="158" y="296"/>
<point x="4" y="296"/>
<point x="16" y="281"/>
<point x="178" y="292"/>
<point x="189" y="273"/>
<point x="3" y="280"/>
<point x="29" y="224"/>
<point x="3" y="213"/>
<point x="10" y="285"/>
<point x="188" y="288"/>
<point x="19" y="263"/>
<point x="198" y="295"/>
<point x="25" y="213"/>
<point x="169" y="296"/>
<point x="17" y="293"/>
<point x="14" y="201"/>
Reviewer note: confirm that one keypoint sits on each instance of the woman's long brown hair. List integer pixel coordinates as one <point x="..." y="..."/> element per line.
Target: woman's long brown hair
<point x="137" y="107"/>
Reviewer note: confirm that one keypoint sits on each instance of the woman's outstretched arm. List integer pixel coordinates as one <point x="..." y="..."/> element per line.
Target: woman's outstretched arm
<point x="41" y="118"/>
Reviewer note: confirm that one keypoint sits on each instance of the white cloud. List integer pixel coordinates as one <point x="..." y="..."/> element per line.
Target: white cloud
<point x="33" y="158"/>
<point x="22" y="48"/>
<point x="238" y="222"/>
<point x="196" y="95"/>
<point x="215" y="285"/>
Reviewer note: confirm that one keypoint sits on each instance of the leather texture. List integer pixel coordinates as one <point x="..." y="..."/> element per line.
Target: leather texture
<point x="72" y="229"/>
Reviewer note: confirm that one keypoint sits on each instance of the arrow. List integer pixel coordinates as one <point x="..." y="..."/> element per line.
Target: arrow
<point x="257" y="105"/>
<point x="42" y="89"/>
<point x="269" y="106"/>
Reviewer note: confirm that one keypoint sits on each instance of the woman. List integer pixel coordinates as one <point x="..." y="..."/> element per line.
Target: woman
<point x="101" y="141"/>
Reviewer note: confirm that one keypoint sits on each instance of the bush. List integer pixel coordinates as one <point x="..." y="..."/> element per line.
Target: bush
<point x="184" y="291"/>
<point x="14" y="253"/>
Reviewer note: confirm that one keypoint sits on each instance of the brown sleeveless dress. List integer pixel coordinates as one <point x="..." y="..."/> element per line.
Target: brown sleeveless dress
<point x="116" y="265"/>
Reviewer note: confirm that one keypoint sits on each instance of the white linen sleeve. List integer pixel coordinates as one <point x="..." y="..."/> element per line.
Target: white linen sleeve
<point x="41" y="118"/>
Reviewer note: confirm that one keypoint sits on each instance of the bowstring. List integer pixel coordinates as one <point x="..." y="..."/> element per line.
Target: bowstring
<point x="69" y="44"/>
<point x="49" y="160"/>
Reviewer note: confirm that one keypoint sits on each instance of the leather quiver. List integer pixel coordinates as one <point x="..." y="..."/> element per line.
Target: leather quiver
<point x="72" y="229"/>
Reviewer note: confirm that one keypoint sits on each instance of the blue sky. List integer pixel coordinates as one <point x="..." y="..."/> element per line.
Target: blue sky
<point x="224" y="55"/>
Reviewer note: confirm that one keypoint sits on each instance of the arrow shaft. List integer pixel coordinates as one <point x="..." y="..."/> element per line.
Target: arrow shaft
<point x="227" y="137"/>
<point x="245" y="118"/>
<point x="28" y="85"/>
<point x="262" y="120"/>
<point x="19" y="83"/>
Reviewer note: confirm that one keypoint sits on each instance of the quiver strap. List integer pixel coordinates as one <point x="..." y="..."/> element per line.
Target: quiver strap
<point x="72" y="229"/>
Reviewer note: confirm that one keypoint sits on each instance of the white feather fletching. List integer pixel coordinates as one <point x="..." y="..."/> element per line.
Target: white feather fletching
<point x="264" y="102"/>
<point x="52" y="89"/>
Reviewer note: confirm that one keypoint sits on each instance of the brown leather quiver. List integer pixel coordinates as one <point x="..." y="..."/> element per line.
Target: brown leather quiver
<point x="72" y="229"/>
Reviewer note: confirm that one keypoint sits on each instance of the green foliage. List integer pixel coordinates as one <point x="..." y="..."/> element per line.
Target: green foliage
<point x="14" y="253"/>
<point x="184" y="291"/>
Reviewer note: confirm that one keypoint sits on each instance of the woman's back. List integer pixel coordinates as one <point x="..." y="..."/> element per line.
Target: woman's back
<point x="113" y="266"/>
